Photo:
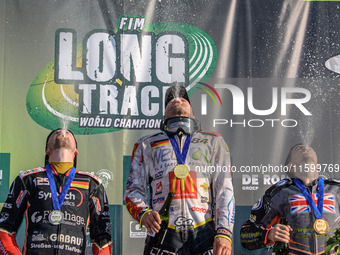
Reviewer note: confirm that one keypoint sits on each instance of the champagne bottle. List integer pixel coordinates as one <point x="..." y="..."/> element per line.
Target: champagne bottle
<point x="281" y="248"/>
<point x="164" y="212"/>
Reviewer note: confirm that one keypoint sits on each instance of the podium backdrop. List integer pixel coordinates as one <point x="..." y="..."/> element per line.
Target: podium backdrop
<point x="265" y="74"/>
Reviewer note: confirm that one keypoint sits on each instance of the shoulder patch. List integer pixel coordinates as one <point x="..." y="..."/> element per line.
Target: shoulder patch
<point x="258" y="204"/>
<point x="158" y="143"/>
<point x="282" y="182"/>
<point x="278" y="186"/>
<point x="31" y="171"/>
<point x="91" y="175"/>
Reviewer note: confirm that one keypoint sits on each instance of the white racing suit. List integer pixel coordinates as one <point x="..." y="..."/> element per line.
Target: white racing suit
<point x="202" y="208"/>
<point x="286" y="200"/>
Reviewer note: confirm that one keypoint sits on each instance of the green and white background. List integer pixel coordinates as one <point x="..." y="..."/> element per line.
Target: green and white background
<point x="101" y="67"/>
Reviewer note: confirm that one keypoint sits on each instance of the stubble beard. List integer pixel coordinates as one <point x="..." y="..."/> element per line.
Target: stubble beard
<point x="62" y="142"/>
<point x="177" y="111"/>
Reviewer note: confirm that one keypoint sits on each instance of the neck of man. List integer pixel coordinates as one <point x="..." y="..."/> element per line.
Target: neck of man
<point x="61" y="155"/>
<point x="307" y="172"/>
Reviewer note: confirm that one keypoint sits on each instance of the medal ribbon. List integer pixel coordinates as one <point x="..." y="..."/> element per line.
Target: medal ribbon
<point x="180" y="157"/>
<point x="318" y="211"/>
<point x="58" y="201"/>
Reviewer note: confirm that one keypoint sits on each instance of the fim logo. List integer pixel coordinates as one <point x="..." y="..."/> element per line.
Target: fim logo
<point x="137" y="231"/>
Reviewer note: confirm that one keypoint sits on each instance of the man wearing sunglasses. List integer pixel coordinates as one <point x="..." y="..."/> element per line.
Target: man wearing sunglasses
<point x="193" y="166"/>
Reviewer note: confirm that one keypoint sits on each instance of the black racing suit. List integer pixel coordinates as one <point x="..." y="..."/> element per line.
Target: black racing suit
<point x="286" y="200"/>
<point x="85" y="203"/>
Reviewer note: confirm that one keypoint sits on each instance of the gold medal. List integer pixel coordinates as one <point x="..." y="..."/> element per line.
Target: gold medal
<point x="321" y="226"/>
<point x="181" y="171"/>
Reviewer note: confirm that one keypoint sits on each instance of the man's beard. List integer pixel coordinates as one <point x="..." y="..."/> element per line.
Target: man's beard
<point x="178" y="110"/>
<point x="62" y="142"/>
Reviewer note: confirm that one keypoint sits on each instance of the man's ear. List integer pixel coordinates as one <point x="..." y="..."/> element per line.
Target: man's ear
<point x="76" y="152"/>
<point x="48" y="152"/>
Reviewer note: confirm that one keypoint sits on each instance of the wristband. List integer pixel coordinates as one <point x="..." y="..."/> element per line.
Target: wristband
<point x="226" y="237"/>
<point x="266" y="238"/>
<point x="143" y="213"/>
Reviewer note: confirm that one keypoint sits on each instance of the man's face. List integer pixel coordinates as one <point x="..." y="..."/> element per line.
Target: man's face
<point x="302" y="154"/>
<point x="61" y="139"/>
<point x="178" y="107"/>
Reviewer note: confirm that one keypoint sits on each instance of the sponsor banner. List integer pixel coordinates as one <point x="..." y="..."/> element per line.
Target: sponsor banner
<point x="115" y="80"/>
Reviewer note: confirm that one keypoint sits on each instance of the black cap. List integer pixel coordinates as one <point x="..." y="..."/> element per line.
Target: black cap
<point x="176" y="91"/>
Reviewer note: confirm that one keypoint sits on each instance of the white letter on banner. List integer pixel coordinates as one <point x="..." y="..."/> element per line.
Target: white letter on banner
<point x="139" y="23"/>
<point x="123" y="22"/>
<point x="66" y="56"/>
<point x="140" y="57"/>
<point x="101" y="57"/>
<point x="129" y="101"/>
<point x="297" y="101"/>
<point x="170" y="59"/>
<point x="108" y="95"/>
<point x="145" y="101"/>
<point x="262" y="112"/>
<point x="246" y="179"/>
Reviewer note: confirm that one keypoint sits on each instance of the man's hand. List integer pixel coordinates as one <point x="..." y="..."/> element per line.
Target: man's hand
<point x="280" y="233"/>
<point x="152" y="221"/>
<point x="222" y="246"/>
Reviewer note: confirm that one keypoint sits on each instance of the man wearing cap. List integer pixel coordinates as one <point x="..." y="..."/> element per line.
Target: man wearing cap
<point x="59" y="203"/>
<point x="310" y="204"/>
<point x="193" y="166"/>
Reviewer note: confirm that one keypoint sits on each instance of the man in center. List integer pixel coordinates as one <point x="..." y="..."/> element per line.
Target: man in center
<point x="202" y="209"/>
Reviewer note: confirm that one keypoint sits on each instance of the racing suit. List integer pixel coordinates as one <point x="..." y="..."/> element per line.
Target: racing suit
<point x="285" y="199"/>
<point x="85" y="204"/>
<point x="207" y="196"/>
